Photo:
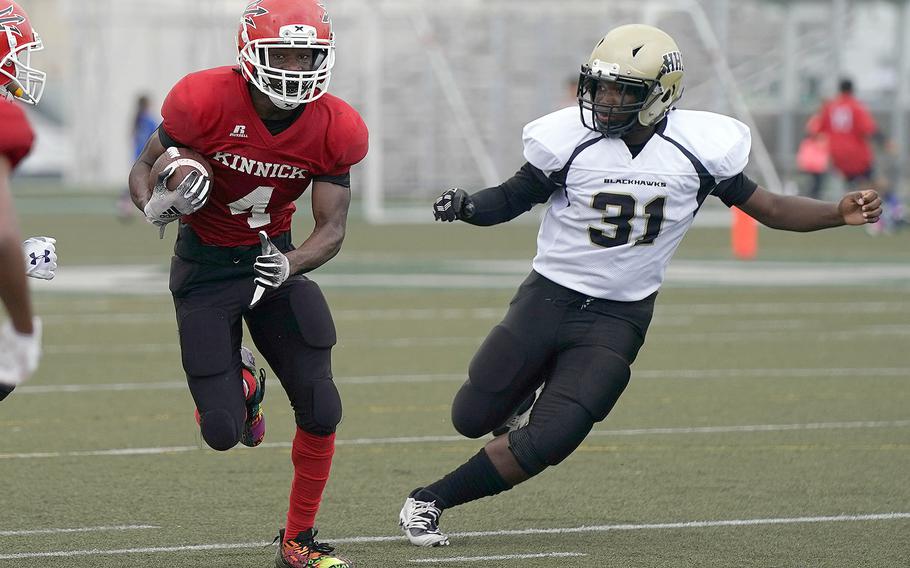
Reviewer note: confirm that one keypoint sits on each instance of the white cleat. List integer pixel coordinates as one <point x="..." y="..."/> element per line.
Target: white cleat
<point x="420" y="522"/>
<point x="521" y="417"/>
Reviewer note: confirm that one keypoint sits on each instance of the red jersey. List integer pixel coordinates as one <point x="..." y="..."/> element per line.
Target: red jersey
<point x="16" y="136"/>
<point x="848" y="126"/>
<point x="257" y="175"/>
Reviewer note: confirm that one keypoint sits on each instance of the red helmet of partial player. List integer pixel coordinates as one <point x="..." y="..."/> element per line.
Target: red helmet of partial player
<point x="18" y="79"/>
<point x="268" y="29"/>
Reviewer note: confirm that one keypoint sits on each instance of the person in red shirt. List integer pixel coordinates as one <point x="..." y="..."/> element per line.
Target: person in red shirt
<point x="849" y="126"/>
<point x="270" y="131"/>
<point x="20" y="336"/>
<point x="850" y="129"/>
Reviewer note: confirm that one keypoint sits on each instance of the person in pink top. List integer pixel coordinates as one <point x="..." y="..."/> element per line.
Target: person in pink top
<point x="813" y="157"/>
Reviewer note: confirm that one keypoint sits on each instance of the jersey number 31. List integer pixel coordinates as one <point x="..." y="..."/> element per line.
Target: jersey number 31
<point x="621" y="209"/>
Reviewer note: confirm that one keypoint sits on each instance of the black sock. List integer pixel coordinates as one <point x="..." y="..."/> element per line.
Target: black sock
<point x="474" y="479"/>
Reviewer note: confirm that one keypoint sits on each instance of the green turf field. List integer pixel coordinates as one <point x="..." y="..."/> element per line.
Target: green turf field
<point x="767" y="423"/>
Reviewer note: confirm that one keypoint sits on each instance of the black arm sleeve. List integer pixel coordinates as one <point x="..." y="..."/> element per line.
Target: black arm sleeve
<point x="342" y="180"/>
<point x="509" y="200"/>
<point x="736" y="190"/>
<point x="166" y="139"/>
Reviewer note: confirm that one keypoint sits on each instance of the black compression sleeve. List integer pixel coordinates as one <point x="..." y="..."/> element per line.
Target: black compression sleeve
<point x="166" y="139"/>
<point x="736" y="190"/>
<point x="343" y="180"/>
<point x="512" y="198"/>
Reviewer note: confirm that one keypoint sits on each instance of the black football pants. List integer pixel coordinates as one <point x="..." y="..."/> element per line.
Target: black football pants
<point x="580" y="347"/>
<point x="291" y="326"/>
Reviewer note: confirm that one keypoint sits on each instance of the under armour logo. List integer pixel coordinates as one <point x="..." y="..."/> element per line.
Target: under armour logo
<point x="46" y="257"/>
<point x="239" y="131"/>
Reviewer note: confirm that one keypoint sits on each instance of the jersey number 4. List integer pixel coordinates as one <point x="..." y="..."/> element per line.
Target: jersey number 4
<point x="254" y="203"/>
<point x="620" y="210"/>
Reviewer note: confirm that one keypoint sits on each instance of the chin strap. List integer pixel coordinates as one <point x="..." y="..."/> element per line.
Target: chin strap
<point x="283" y="105"/>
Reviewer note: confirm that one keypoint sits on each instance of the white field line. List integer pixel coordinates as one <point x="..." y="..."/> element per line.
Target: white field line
<point x="503" y="274"/>
<point x="178" y="385"/>
<point x="455" y="439"/>
<point x="778" y="335"/>
<point x="788" y="335"/>
<point x="78" y="530"/>
<point x="804" y="373"/>
<point x="498" y="557"/>
<point x="404" y="314"/>
<point x="485" y="534"/>
<point x="416" y="314"/>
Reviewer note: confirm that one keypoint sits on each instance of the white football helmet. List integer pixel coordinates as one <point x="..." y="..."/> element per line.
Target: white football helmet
<point x="642" y="66"/>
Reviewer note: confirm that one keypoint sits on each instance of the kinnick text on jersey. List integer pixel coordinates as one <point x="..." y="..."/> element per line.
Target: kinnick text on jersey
<point x="260" y="169"/>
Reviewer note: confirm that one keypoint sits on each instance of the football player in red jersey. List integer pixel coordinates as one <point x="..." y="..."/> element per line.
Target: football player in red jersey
<point x="20" y="336"/>
<point x="270" y="131"/>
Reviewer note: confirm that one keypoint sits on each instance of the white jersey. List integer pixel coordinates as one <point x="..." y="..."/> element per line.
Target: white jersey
<point x="613" y="229"/>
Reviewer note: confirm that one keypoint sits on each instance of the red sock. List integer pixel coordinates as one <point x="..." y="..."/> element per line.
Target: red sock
<point x="312" y="458"/>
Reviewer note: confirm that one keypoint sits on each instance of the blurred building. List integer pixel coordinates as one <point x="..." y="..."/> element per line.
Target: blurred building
<point x="446" y="86"/>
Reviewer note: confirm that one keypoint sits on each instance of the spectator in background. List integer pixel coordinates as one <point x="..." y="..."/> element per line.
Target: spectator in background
<point x="850" y="129"/>
<point x="812" y="157"/>
<point x="143" y="126"/>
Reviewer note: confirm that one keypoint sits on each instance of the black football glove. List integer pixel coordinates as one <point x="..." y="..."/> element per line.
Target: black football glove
<point x="453" y="204"/>
<point x="5" y="390"/>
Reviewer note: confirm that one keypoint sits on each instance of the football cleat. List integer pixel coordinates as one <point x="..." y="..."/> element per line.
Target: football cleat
<point x="254" y="391"/>
<point x="420" y="522"/>
<point x="303" y="551"/>
<point x="520" y="417"/>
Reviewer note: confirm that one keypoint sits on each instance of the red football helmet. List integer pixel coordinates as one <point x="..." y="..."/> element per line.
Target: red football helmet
<point x="18" y="79"/>
<point x="268" y="26"/>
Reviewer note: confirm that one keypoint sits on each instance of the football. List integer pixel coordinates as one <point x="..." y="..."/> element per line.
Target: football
<point x="187" y="162"/>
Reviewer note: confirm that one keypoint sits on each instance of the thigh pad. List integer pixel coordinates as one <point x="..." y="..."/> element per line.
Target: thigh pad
<point x="205" y="342"/>
<point x="601" y="382"/>
<point x="498" y="361"/>
<point x="312" y="314"/>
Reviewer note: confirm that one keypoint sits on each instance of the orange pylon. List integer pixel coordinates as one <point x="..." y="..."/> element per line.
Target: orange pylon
<point x="744" y="235"/>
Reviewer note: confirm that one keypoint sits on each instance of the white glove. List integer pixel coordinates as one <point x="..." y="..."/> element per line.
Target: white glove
<point x="272" y="268"/>
<point x="166" y="206"/>
<point x="40" y="257"/>
<point x="19" y="353"/>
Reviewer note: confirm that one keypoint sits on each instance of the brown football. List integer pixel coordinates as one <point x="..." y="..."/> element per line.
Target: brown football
<point x="187" y="161"/>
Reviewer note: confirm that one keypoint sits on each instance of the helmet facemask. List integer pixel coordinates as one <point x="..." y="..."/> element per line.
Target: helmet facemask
<point x="19" y="79"/>
<point x="289" y="89"/>
<point x="634" y="95"/>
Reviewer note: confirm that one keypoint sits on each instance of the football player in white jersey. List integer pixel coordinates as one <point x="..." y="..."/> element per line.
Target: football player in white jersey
<point x="623" y="182"/>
